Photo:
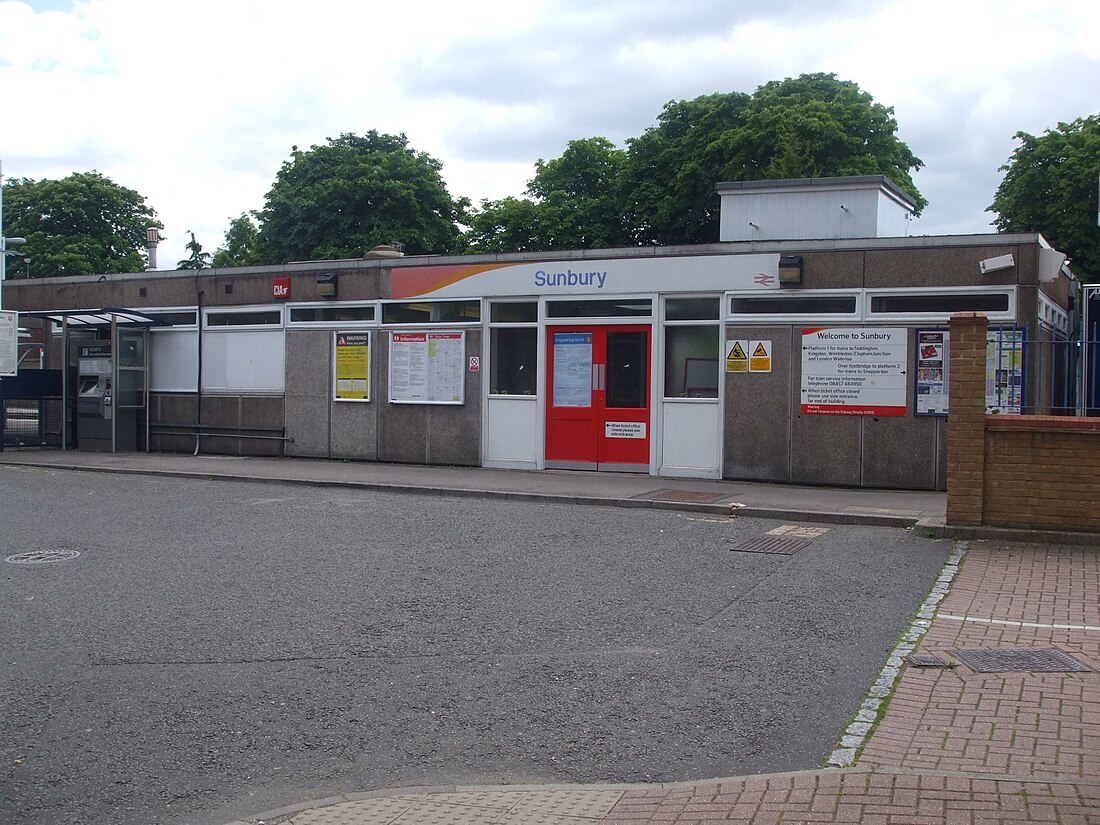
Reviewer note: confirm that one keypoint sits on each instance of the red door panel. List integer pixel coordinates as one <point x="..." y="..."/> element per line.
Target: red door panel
<point x="598" y="382"/>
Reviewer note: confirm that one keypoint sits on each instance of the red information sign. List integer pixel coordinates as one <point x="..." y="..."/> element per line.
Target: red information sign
<point x="280" y="288"/>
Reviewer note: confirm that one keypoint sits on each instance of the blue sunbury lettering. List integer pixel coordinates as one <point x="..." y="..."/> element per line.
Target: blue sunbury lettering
<point x="570" y="278"/>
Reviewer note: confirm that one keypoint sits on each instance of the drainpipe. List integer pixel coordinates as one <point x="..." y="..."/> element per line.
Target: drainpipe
<point x="198" y="387"/>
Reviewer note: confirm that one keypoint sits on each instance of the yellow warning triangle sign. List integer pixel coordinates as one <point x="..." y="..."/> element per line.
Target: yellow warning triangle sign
<point x="737" y="352"/>
<point x="759" y="352"/>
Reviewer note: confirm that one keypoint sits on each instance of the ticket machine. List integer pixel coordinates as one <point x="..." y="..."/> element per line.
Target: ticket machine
<point x="110" y="391"/>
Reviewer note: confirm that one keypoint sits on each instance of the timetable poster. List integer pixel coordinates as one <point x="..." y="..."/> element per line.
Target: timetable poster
<point x="427" y="367"/>
<point x="933" y="356"/>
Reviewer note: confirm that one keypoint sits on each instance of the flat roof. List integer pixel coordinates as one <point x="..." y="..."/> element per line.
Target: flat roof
<point x="843" y="182"/>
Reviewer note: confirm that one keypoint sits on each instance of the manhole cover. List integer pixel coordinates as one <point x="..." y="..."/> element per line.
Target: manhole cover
<point x="1013" y="660"/>
<point x="42" y="556"/>
<point x="682" y="495"/>
<point x="925" y="660"/>
<point x="778" y="545"/>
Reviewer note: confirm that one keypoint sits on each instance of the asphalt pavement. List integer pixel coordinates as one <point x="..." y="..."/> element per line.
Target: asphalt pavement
<point x="317" y="629"/>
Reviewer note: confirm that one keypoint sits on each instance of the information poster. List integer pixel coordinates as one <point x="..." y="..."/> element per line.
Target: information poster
<point x="1004" y="371"/>
<point x="427" y="367"/>
<point x="933" y="357"/>
<point x="572" y="369"/>
<point x="352" y="359"/>
<point x="9" y="343"/>
<point x="854" y="371"/>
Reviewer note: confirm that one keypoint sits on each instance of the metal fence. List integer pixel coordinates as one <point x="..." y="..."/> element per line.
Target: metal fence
<point x="1040" y="372"/>
<point x="31" y="411"/>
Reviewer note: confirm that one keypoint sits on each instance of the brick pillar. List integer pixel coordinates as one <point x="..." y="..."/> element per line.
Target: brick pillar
<point x="966" y="419"/>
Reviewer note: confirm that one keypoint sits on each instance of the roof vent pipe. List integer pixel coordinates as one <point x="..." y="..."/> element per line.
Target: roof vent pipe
<point x="152" y="238"/>
<point x="386" y="251"/>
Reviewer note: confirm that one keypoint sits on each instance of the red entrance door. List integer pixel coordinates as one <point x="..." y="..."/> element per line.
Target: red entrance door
<point x="597" y="380"/>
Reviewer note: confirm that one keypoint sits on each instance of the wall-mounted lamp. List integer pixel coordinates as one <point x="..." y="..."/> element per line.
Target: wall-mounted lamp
<point x="327" y="285"/>
<point x="753" y="225"/>
<point x="790" y="269"/>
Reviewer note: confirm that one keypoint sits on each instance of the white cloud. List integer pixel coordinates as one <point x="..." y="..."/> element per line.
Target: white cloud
<point x="196" y="104"/>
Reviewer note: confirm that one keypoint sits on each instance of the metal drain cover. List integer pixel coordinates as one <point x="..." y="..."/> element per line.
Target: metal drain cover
<point x="682" y="495"/>
<point x="777" y="545"/>
<point x="1008" y="660"/>
<point x="42" y="556"/>
<point x="925" y="660"/>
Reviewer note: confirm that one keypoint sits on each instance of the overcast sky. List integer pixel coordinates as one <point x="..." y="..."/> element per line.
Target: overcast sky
<point x="196" y="104"/>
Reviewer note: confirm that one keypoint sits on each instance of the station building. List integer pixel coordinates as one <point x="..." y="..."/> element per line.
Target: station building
<point x="809" y="345"/>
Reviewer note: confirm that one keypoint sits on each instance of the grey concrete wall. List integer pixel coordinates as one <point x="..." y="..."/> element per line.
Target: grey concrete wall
<point x="308" y="392"/>
<point x="430" y="433"/>
<point x="375" y="430"/>
<point x="253" y="411"/>
<point x="767" y="438"/>
<point x="757" y="411"/>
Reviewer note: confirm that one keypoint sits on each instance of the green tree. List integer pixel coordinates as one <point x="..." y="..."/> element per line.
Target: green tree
<point x="814" y="126"/>
<point x="573" y="203"/>
<point x="197" y="259"/>
<point x="671" y="170"/>
<point x="85" y="224"/>
<point x="344" y="197"/>
<point x="241" y="246"/>
<point x="1050" y="187"/>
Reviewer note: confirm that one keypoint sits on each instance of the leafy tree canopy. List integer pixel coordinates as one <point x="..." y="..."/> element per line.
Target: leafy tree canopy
<point x="241" y="246"/>
<point x="573" y="204"/>
<point x="1050" y="187"/>
<point x="85" y="224"/>
<point x="671" y="170"/>
<point x="345" y="197"/>
<point x="662" y="190"/>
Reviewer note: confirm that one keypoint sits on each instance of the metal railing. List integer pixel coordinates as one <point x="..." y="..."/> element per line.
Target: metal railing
<point x="1040" y="372"/>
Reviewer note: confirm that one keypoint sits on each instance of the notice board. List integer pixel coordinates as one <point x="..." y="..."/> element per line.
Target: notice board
<point x="854" y="371"/>
<point x="427" y="367"/>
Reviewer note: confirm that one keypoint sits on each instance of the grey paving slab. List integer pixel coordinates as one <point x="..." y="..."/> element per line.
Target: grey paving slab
<point x="837" y="505"/>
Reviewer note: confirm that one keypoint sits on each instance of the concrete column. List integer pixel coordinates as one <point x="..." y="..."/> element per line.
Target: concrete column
<point x="966" y="419"/>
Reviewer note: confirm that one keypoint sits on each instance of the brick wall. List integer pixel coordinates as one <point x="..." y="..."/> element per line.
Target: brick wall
<point x="1022" y="471"/>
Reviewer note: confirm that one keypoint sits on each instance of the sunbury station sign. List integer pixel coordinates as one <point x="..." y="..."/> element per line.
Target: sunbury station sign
<point x="614" y="276"/>
<point x="850" y="371"/>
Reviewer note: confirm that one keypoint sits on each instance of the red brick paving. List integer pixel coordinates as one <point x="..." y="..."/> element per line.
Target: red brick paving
<point x="954" y="746"/>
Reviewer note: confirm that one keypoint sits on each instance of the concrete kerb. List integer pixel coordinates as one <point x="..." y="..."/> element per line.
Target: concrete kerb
<point x="731" y="509"/>
<point x="874" y="705"/>
<point x="281" y="814"/>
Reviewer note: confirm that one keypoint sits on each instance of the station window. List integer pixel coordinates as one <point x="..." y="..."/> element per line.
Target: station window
<point x="794" y="305"/>
<point x="692" y="347"/>
<point x="691" y="362"/>
<point x="941" y="303"/>
<point x="176" y="318"/>
<point x="332" y="313"/>
<point x="513" y="356"/>
<point x="691" y="309"/>
<point x="245" y="318"/>
<point x="620" y="308"/>
<point x="432" y="312"/>
<point x="514" y="312"/>
<point x="513" y="348"/>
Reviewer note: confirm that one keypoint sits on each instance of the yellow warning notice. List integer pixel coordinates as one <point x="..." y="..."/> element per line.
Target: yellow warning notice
<point x="761" y="360"/>
<point x="737" y="359"/>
